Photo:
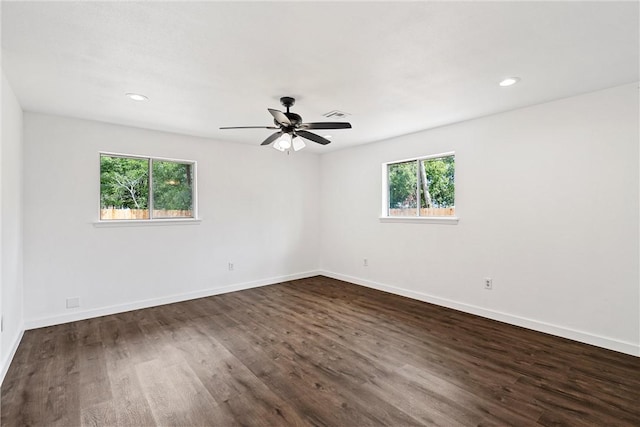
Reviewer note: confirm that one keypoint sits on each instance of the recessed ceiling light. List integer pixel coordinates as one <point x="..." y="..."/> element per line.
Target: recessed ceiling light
<point x="509" y="81"/>
<point x="327" y="136"/>
<point x="137" y="97"/>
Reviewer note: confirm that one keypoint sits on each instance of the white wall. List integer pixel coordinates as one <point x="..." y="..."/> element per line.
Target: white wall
<point x="548" y="204"/>
<point x="11" y="304"/>
<point x="259" y="210"/>
<point x="548" y="199"/>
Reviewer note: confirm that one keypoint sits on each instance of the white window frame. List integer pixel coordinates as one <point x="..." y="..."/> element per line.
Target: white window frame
<point x="151" y="221"/>
<point x="384" y="217"/>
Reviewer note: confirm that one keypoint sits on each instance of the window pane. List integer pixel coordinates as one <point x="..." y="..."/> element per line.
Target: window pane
<point x="437" y="190"/>
<point x="172" y="189"/>
<point x="124" y="188"/>
<point x="402" y="188"/>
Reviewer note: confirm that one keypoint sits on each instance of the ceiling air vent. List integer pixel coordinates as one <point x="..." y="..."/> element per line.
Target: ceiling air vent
<point x="335" y="114"/>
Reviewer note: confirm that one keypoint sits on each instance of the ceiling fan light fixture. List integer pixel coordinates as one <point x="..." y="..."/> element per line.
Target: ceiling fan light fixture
<point x="277" y="146"/>
<point x="298" y="144"/>
<point x="284" y="141"/>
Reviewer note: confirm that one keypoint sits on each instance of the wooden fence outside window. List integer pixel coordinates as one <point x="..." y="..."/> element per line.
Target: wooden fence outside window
<point x="113" y="213"/>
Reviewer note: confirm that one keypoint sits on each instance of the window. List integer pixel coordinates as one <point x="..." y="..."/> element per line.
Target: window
<point x="146" y="188"/>
<point x="421" y="187"/>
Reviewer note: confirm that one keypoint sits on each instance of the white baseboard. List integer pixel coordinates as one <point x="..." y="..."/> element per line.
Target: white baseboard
<point x="153" y="302"/>
<point x="536" y="325"/>
<point x="7" y="361"/>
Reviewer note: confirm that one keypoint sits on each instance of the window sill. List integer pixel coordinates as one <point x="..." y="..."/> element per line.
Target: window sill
<point x="449" y="220"/>
<point x="145" y="222"/>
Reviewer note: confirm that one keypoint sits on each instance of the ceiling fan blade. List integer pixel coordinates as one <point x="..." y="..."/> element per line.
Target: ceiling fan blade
<point x="272" y="138"/>
<point x="312" y="137"/>
<point x="326" y="125"/>
<point x="280" y="117"/>
<point x="249" y="127"/>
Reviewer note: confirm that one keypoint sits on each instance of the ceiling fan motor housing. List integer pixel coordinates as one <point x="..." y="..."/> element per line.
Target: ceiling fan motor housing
<point x="294" y="118"/>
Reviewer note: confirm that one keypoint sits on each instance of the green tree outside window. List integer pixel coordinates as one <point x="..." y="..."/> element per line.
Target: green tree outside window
<point x="127" y="188"/>
<point x="422" y="187"/>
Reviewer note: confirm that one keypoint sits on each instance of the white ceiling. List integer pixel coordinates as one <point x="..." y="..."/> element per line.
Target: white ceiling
<point x="397" y="67"/>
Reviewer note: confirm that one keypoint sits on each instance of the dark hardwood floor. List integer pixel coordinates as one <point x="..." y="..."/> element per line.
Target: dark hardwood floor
<point x="316" y="351"/>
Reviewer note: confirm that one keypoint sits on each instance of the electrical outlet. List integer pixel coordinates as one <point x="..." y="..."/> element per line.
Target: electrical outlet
<point x="488" y="283"/>
<point x="230" y="266"/>
<point x="73" y="302"/>
<point x="365" y="262"/>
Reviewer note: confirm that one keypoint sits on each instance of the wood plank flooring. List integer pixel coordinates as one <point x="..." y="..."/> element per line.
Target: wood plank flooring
<point x="312" y="352"/>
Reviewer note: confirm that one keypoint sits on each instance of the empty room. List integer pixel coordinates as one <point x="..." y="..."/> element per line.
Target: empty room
<point x="320" y="213"/>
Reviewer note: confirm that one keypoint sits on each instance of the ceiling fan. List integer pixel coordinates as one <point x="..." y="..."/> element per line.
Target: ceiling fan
<point x="291" y="129"/>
